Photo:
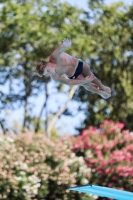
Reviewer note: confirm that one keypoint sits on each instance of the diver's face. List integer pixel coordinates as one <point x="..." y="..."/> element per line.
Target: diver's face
<point x="49" y="70"/>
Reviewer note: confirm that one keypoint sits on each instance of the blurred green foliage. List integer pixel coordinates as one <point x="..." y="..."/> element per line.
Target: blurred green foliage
<point x="29" y="31"/>
<point x="103" y="36"/>
<point x="109" y="50"/>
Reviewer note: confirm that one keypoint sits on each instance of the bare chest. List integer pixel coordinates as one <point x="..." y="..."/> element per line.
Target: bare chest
<point x="66" y="64"/>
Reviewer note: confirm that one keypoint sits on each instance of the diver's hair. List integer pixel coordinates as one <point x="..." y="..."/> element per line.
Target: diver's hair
<point x="40" y="67"/>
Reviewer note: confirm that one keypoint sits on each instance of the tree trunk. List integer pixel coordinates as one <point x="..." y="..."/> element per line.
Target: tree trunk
<point x="25" y="114"/>
<point x="62" y="109"/>
<point x="41" y="112"/>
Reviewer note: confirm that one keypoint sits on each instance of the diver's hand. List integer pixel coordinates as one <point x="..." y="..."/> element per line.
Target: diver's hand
<point x="66" y="42"/>
<point x="90" y="78"/>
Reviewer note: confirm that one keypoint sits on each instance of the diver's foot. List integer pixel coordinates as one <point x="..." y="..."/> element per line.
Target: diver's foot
<point x="107" y="89"/>
<point x="104" y="94"/>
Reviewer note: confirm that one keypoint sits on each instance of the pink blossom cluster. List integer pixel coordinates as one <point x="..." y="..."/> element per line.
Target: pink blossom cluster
<point x="110" y="154"/>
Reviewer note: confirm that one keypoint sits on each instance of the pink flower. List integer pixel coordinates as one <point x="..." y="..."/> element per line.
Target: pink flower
<point x="114" y="178"/>
<point x="110" y="185"/>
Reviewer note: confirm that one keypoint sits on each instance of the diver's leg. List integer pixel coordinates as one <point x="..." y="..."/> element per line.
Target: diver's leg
<point x="93" y="89"/>
<point x="98" y="83"/>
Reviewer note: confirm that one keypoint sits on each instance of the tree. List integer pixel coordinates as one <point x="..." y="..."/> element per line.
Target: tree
<point x="29" y="31"/>
<point x="109" y="51"/>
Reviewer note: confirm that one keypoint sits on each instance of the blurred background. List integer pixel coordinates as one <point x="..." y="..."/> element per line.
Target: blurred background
<point x="36" y="113"/>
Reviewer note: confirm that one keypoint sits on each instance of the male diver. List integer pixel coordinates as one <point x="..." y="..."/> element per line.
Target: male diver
<point x="77" y="71"/>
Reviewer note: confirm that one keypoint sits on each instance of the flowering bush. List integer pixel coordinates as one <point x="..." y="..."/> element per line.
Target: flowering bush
<point x="38" y="168"/>
<point x="108" y="152"/>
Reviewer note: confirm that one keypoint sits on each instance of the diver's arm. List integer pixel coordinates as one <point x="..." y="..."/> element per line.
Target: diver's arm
<point x="63" y="80"/>
<point x="65" y="43"/>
